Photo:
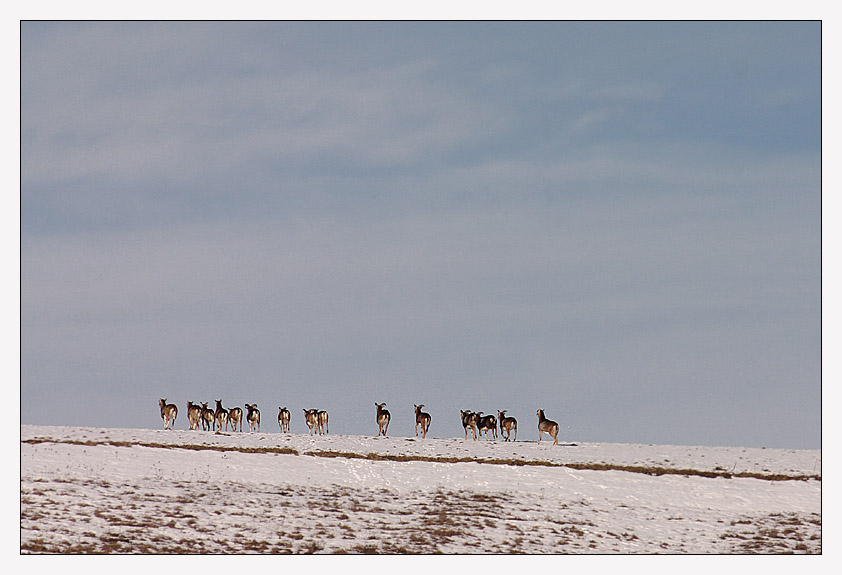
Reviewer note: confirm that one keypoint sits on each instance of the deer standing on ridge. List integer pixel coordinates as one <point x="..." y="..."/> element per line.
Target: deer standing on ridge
<point x="168" y="413"/>
<point x="547" y="425"/>
<point x="312" y="419"/>
<point x="194" y="414"/>
<point x="507" y="424"/>
<point x="235" y="416"/>
<point x="469" y="420"/>
<point x="487" y="423"/>
<point x="383" y="418"/>
<point x="221" y="416"/>
<point x="283" y="419"/>
<point x="208" y="418"/>
<point x="422" y="419"/>
<point x="253" y="417"/>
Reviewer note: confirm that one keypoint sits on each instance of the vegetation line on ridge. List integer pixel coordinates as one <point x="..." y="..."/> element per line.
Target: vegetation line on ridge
<point x="646" y="470"/>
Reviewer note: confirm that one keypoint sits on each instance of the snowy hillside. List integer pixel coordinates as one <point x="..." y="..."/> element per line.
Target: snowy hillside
<point x="89" y="490"/>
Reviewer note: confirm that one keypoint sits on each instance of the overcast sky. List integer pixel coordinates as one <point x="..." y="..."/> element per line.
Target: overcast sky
<point x="616" y="222"/>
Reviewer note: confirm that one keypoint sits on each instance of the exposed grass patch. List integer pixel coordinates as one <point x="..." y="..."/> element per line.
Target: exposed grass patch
<point x="776" y="533"/>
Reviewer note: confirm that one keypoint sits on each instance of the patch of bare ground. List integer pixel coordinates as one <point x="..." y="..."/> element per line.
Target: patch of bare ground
<point x="776" y="533"/>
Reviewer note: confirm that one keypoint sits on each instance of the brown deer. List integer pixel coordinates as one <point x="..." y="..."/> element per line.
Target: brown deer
<point x="323" y="426"/>
<point x="422" y="419"/>
<point x="469" y="420"/>
<point x="253" y="417"/>
<point x="487" y="423"/>
<point x="312" y="419"/>
<point x="235" y="416"/>
<point x="383" y="418"/>
<point x="507" y="424"/>
<point x="283" y="419"/>
<point x="208" y="418"/>
<point x="194" y="414"/>
<point x="547" y="425"/>
<point x="168" y="413"/>
<point x="221" y="416"/>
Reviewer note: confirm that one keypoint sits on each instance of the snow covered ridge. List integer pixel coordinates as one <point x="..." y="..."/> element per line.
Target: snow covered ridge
<point x="90" y="490"/>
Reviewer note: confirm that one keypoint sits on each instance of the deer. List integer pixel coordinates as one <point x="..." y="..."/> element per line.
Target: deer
<point x="383" y="418"/>
<point x="487" y="423"/>
<point x="194" y="414"/>
<point x="253" y="417"/>
<point x="221" y="416"/>
<point x="469" y="420"/>
<point x="283" y="419"/>
<point x="168" y="413"/>
<point x="235" y="416"/>
<point x="208" y="418"/>
<point x="311" y="418"/>
<point x="507" y="424"/>
<point x="547" y="425"/>
<point x="422" y="419"/>
<point x="323" y="426"/>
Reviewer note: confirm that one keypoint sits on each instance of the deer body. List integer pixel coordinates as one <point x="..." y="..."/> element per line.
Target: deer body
<point x="221" y="416"/>
<point x="283" y="419"/>
<point x="469" y="420"/>
<point x="168" y="413"/>
<point x="323" y="426"/>
<point x="235" y="416"/>
<point x="194" y="414"/>
<point x="253" y="417"/>
<point x="547" y="425"/>
<point x="208" y="418"/>
<point x="507" y="424"/>
<point x="487" y="423"/>
<point x="311" y="418"/>
<point x="383" y="418"/>
<point x="422" y="419"/>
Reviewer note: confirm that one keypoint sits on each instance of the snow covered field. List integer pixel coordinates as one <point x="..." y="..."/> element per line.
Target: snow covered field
<point x="90" y="490"/>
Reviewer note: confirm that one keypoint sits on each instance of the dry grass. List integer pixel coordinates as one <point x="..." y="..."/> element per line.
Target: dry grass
<point x="776" y="533"/>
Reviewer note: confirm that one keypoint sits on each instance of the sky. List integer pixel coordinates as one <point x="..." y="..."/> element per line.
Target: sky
<point x="616" y="222"/>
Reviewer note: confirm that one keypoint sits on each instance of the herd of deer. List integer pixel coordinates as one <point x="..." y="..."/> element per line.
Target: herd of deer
<point x="209" y="419"/>
<point x="317" y="420"/>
